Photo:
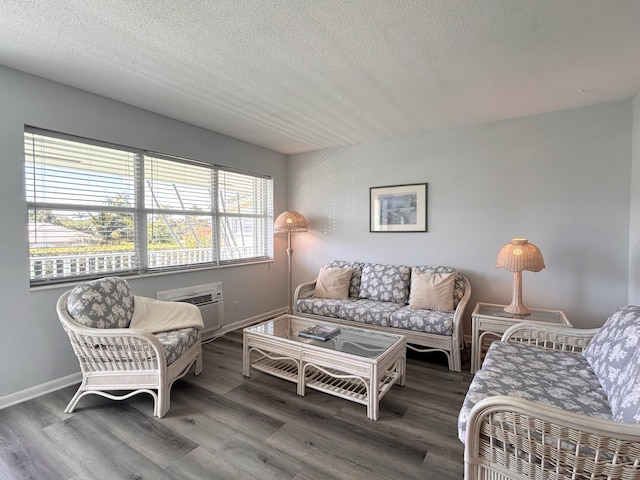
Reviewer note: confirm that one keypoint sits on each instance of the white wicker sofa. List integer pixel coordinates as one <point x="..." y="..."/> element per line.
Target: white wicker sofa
<point x="379" y="298"/>
<point x="554" y="402"/>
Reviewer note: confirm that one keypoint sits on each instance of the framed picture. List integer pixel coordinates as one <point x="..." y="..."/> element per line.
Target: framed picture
<point x="398" y="208"/>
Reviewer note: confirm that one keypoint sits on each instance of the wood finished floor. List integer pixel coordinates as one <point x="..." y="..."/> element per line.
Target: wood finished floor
<point x="222" y="425"/>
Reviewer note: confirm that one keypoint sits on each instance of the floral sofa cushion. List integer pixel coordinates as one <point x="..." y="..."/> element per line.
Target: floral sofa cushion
<point x="428" y="321"/>
<point x="368" y="311"/>
<point x="176" y="342"/>
<point x="327" y="307"/>
<point x="356" y="275"/>
<point x="560" y="379"/>
<point x="385" y="283"/>
<point x="613" y="353"/>
<point x="103" y="303"/>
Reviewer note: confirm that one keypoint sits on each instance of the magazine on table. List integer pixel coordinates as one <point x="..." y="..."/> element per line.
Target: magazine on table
<point x="320" y="332"/>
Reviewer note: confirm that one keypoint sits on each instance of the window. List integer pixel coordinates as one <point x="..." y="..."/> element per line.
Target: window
<point x="97" y="209"/>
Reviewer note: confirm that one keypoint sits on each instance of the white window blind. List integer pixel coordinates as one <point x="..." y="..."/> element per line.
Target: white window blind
<point x="180" y="214"/>
<point x="244" y="202"/>
<point x="80" y="207"/>
<point x="96" y="209"/>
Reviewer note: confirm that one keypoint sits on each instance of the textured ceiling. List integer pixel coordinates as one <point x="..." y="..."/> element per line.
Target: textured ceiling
<point x="301" y="75"/>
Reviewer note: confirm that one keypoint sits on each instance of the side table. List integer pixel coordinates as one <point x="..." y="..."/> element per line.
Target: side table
<point x="490" y="321"/>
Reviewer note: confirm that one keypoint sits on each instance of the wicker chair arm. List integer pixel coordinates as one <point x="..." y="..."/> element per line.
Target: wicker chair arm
<point x="527" y="439"/>
<point x="459" y="312"/>
<point x="556" y="337"/>
<point x="114" y="333"/>
<point x="129" y="348"/>
<point x="304" y="290"/>
<point x="108" y="333"/>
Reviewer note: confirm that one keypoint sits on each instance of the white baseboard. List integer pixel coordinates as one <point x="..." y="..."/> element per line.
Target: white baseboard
<point x="53" y="385"/>
<point x="38" y="390"/>
<point x="256" y="319"/>
<point x="245" y="323"/>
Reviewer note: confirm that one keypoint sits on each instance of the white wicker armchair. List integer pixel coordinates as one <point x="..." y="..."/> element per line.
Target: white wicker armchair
<point x="508" y="437"/>
<point x="117" y="358"/>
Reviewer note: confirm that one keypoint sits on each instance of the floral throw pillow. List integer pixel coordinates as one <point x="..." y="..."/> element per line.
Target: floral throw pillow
<point x="103" y="303"/>
<point x="613" y="354"/>
<point x="627" y="406"/>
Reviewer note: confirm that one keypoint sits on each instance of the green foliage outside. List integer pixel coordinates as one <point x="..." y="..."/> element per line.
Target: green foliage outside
<point x="114" y="232"/>
<point x="93" y="249"/>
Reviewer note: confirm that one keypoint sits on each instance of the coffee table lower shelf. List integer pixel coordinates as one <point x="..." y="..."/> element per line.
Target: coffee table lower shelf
<point x="352" y="388"/>
<point x="329" y="380"/>
<point x="282" y="368"/>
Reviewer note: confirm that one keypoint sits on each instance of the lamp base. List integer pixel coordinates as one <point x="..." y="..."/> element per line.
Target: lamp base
<point x="517" y="309"/>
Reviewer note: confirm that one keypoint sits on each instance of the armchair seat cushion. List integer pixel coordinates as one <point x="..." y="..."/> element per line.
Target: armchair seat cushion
<point x="559" y="379"/>
<point x="427" y="321"/>
<point x="368" y="311"/>
<point x="176" y="342"/>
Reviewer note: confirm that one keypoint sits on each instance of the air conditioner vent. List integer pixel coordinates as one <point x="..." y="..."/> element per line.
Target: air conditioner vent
<point x="198" y="300"/>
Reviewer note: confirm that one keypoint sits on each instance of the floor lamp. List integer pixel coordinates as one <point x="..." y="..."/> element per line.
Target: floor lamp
<point x="288" y="222"/>
<point x="517" y="256"/>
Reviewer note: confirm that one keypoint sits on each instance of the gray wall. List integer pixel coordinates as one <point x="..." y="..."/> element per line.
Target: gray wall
<point x="560" y="179"/>
<point x="33" y="347"/>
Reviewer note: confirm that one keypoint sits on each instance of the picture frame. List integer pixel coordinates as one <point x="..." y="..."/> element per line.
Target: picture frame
<point x="398" y="208"/>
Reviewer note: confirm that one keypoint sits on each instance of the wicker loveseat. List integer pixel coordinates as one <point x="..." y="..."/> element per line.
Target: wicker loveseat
<point x="379" y="296"/>
<point x="554" y="402"/>
<point x="125" y="342"/>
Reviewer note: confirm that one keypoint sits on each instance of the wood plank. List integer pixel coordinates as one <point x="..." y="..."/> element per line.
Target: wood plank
<point x="99" y="452"/>
<point x="225" y="426"/>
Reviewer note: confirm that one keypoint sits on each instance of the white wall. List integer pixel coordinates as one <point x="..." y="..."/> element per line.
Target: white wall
<point x="634" y="218"/>
<point x="560" y="179"/>
<point x="33" y="347"/>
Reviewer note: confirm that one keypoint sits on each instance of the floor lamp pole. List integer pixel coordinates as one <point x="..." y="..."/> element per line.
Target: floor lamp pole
<point x="289" y="222"/>
<point x="289" y="292"/>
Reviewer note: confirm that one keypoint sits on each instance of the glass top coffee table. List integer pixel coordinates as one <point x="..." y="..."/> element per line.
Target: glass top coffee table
<point x="357" y="364"/>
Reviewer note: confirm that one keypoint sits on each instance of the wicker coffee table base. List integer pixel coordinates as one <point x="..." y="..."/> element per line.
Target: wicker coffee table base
<point x="353" y="378"/>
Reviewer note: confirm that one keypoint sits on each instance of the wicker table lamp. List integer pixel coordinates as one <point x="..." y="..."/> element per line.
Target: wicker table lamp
<point x="288" y="222"/>
<point x="517" y="256"/>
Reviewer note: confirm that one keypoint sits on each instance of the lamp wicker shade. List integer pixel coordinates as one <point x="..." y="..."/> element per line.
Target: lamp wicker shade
<point x="520" y="255"/>
<point x="517" y="256"/>
<point x="290" y="222"/>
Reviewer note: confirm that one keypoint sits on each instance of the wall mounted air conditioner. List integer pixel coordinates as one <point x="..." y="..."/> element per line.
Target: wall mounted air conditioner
<point x="207" y="297"/>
